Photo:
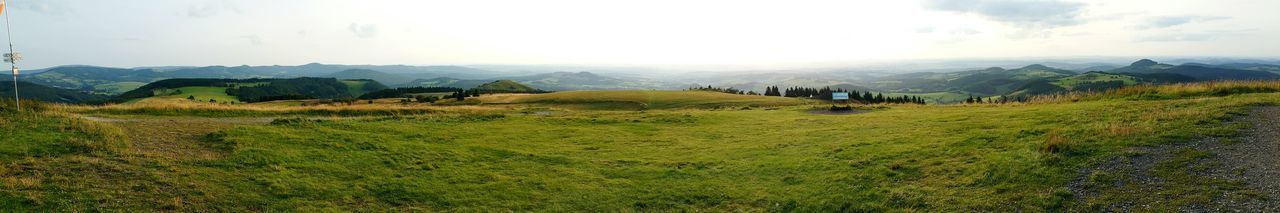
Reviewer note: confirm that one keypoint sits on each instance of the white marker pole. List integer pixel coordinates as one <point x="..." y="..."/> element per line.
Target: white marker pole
<point x="13" y="60"/>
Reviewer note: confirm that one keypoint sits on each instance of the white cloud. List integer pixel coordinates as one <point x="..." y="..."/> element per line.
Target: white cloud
<point x="1020" y="13"/>
<point x="210" y="9"/>
<point x="1170" y="21"/>
<point x="363" y="31"/>
<point x="52" y="8"/>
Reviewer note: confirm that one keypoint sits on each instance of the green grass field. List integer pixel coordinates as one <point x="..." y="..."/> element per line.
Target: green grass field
<point x="356" y="88"/>
<point x="117" y="88"/>
<point x="688" y="151"/>
<point x="205" y="94"/>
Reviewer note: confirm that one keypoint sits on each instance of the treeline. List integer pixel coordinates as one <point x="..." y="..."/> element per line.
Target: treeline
<point x="729" y="90"/>
<point x="825" y="93"/>
<point x="993" y="100"/>
<point x="289" y="89"/>
<point x="406" y="92"/>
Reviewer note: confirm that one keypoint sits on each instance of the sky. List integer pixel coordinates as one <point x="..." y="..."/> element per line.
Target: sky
<point x="134" y="33"/>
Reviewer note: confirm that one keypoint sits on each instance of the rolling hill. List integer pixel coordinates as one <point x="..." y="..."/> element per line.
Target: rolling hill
<point x="360" y="87"/>
<point x="381" y="77"/>
<point x="985" y="82"/>
<point x="89" y="78"/>
<point x="27" y="90"/>
<point x="251" y="90"/>
<point x="506" y="86"/>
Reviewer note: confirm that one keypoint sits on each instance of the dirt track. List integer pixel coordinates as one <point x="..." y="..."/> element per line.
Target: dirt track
<point x="175" y="138"/>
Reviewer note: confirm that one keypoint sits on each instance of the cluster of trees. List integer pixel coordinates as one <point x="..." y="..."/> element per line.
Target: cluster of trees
<point x="729" y="90"/>
<point x="421" y="99"/>
<point x="461" y="95"/>
<point x="993" y="100"/>
<point x="458" y="94"/>
<point x="212" y="101"/>
<point x="454" y="93"/>
<point x="406" y="92"/>
<point x="772" y="91"/>
<point x="825" y="94"/>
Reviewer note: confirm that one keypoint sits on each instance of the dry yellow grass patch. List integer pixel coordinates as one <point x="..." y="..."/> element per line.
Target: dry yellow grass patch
<point x="1166" y="91"/>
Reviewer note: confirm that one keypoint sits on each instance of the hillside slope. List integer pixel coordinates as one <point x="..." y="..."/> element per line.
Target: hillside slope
<point x="88" y="78"/>
<point x="27" y="90"/>
<point x="506" y="86"/>
<point x="251" y="90"/>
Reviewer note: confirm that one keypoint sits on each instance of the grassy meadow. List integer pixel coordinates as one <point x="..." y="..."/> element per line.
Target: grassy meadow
<point x="639" y="100"/>
<point x="649" y="151"/>
<point x="203" y="94"/>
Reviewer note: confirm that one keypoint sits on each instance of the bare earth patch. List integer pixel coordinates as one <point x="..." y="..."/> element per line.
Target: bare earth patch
<point x="1240" y="173"/>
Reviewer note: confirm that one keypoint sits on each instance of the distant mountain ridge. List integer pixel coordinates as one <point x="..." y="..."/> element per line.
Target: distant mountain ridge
<point x="1201" y="72"/>
<point x="995" y="81"/>
<point x="382" y="77"/>
<point x="112" y="81"/>
<point x="1039" y="79"/>
<point x="558" y="81"/>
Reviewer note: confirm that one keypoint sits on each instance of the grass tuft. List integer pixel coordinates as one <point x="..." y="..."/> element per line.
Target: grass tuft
<point x="1055" y="143"/>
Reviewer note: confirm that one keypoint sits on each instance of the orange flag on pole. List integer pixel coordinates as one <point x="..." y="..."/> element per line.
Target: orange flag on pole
<point x="1" y="7"/>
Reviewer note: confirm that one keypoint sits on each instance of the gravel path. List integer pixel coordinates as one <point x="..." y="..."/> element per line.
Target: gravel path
<point x="1254" y="159"/>
<point x="1244" y="171"/>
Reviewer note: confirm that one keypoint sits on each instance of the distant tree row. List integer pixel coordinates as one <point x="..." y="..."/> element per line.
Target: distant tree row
<point x="825" y="94"/>
<point x="993" y="100"/>
<point x="729" y="90"/>
<point x="406" y="92"/>
<point x="421" y="99"/>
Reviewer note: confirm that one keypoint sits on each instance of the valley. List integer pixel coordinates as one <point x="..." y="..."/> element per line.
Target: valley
<point x="640" y="106"/>
<point x="942" y="87"/>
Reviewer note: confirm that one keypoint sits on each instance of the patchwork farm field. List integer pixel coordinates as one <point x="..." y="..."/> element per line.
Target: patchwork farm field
<point x="652" y="151"/>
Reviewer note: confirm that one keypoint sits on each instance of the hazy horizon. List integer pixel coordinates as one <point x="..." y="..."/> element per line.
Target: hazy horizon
<point x="735" y="34"/>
